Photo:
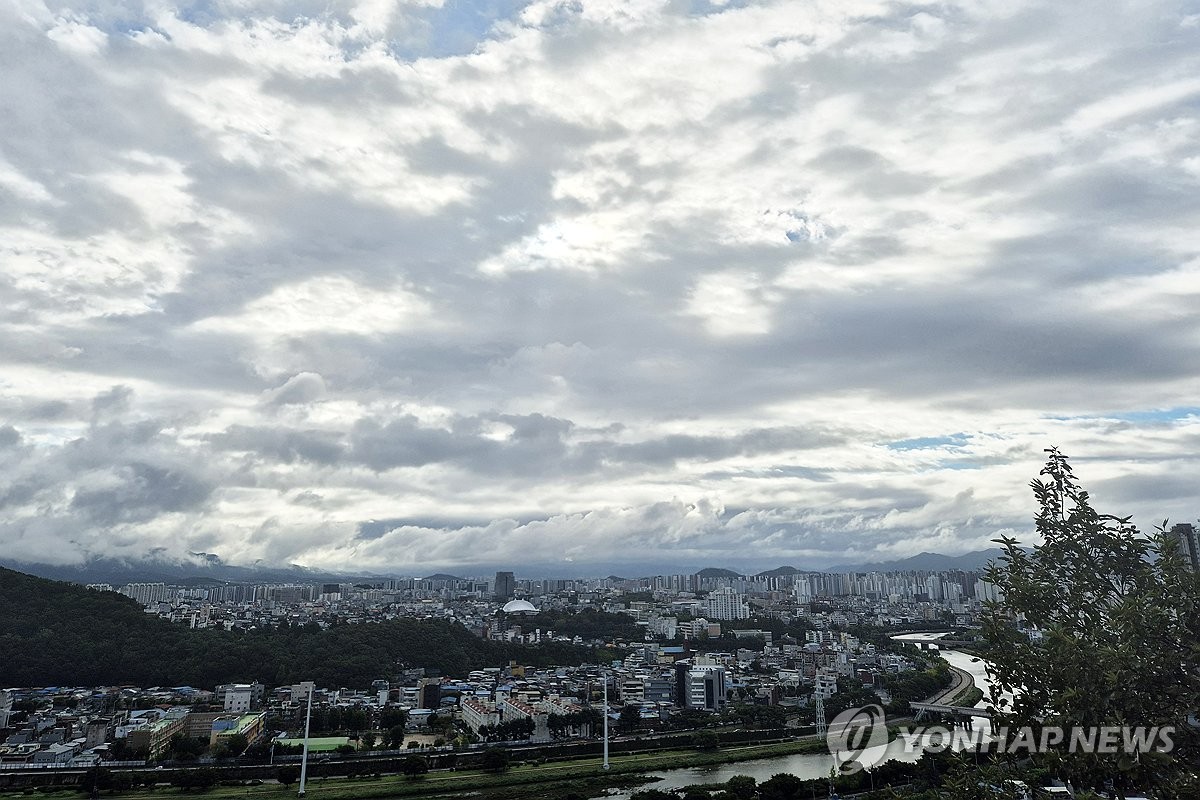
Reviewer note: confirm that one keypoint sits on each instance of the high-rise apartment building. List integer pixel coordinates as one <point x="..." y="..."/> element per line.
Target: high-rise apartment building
<point x="145" y="593"/>
<point x="726" y="604"/>
<point x="1188" y="538"/>
<point x="505" y="586"/>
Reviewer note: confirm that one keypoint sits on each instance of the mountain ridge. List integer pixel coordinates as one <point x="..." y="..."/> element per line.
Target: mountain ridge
<point x="207" y="569"/>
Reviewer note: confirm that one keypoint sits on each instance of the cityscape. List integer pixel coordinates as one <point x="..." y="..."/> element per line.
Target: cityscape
<point x="713" y="658"/>
<point x="599" y="400"/>
<point x="684" y="645"/>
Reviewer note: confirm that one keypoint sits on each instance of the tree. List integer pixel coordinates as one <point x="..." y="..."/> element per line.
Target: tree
<point x="629" y="718"/>
<point x="780" y="786"/>
<point x="287" y="774"/>
<point x="495" y="759"/>
<point x="1097" y="626"/>
<point x="234" y="745"/>
<point x="202" y="779"/>
<point x="706" y="740"/>
<point x="414" y="767"/>
<point x="96" y="780"/>
<point x="392" y="716"/>
<point x="368" y="740"/>
<point x="395" y="736"/>
<point x="185" y="748"/>
<point x="742" y="787"/>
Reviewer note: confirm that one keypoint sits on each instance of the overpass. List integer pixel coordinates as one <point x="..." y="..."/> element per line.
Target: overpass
<point x="940" y="644"/>
<point x="957" y="713"/>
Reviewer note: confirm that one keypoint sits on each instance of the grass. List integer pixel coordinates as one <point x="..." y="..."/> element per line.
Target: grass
<point x="968" y="697"/>
<point x="317" y="744"/>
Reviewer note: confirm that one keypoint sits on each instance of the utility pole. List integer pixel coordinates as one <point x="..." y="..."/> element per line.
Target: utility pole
<point x="605" y="721"/>
<point x="304" y="756"/>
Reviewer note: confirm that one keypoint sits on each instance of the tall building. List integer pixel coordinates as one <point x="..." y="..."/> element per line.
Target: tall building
<point x="238" y="698"/>
<point x="682" y="668"/>
<point x="1188" y="538"/>
<point x="145" y="593"/>
<point x="429" y="693"/>
<point x="6" y="705"/>
<point x="706" y="688"/>
<point x="505" y="586"/>
<point x="725" y="603"/>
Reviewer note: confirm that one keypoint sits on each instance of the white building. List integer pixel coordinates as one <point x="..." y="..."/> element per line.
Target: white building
<point x="818" y="637"/>
<point x="802" y="590"/>
<point x="633" y="690"/>
<point x="663" y="627"/>
<point x="145" y="593"/>
<point x="477" y="713"/>
<point x="512" y="708"/>
<point x="724" y="603"/>
<point x="706" y="688"/>
<point x="237" y="698"/>
<point x="986" y="592"/>
<point x="826" y="684"/>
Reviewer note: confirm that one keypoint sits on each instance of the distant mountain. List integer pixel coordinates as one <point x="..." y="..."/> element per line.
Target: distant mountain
<point x="779" y="572"/>
<point x="717" y="572"/>
<point x="441" y="576"/>
<point x="206" y="569"/>
<point x="201" y="569"/>
<point x="926" y="562"/>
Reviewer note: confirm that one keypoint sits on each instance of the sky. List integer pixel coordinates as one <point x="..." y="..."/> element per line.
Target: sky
<point x="565" y="287"/>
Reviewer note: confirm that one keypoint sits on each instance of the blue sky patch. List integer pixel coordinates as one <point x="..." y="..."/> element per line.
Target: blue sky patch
<point x="925" y="442"/>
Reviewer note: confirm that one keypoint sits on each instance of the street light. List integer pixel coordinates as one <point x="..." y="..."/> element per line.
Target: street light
<point x="605" y="677"/>
<point x="304" y="756"/>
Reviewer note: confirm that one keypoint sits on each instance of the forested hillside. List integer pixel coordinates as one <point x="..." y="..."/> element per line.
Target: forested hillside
<point x="55" y="633"/>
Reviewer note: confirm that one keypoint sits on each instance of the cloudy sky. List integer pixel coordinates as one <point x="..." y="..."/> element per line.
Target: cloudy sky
<point x="570" y="286"/>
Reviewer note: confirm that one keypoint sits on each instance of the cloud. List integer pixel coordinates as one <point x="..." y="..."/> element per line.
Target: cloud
<point x="302" y="388"/>
<point x="696" y="283"/>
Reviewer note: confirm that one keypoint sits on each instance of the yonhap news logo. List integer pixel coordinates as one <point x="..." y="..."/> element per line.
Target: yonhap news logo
<point x="858" y="738"/>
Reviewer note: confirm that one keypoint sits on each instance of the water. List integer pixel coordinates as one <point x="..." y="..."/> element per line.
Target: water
<point x="810" y="765"/>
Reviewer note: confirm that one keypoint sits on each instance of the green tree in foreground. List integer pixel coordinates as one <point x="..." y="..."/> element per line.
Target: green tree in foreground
<point x="741" y="787"/>
<point x="1097" y="626"/>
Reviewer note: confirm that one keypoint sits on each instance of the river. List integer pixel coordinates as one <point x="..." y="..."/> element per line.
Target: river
<point x="807" y="765"/>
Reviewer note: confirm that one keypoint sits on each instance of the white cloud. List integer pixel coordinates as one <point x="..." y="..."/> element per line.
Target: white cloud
<point x="811" y="282"/>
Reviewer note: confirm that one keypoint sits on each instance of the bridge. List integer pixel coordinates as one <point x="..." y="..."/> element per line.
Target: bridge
<point x="957" y="713"/>
<point x="939" y="644"/>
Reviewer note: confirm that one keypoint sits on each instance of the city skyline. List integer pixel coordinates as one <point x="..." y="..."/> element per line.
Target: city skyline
<point x="419" y="287"/>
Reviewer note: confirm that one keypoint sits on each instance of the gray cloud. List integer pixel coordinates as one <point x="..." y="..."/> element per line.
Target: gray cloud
<point x="603" y="282"/>
<point x="302" y="388"/>
<point x="143" y="491"/>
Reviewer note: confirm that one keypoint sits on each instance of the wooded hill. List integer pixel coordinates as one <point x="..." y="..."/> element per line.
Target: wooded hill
<point x="54" y="633"/>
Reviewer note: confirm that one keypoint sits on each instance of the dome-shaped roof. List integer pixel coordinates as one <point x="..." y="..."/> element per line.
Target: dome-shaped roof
<point x="520" y="607"/>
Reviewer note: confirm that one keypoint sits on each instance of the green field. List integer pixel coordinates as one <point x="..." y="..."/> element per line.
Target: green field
<point x="317" y="745"/>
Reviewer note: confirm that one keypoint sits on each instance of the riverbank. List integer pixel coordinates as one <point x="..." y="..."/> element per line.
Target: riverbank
<point x="962" y="687"/>
<point x="525" y="781"/>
